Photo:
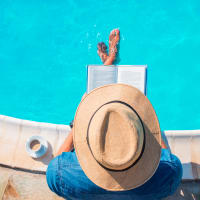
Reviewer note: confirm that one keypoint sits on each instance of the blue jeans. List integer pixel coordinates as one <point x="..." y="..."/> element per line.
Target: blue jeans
<point x="66" y="178"/>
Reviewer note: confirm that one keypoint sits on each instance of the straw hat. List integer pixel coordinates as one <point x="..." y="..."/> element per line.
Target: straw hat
<point x="117" y="137"/>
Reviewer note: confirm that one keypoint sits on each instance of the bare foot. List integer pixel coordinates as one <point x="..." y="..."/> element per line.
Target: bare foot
<point x="102" y="51"/>
<point x="102" y="48"/>
<point x="113" y="42"/>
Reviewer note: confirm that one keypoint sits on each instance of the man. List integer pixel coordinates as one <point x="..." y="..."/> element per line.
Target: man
<point x="117" y="140"/>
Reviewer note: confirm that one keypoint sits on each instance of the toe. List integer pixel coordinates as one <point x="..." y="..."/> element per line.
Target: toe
<point x="112" y="35"/>
<point x="117" y="31"/>
<point x="112" y="32"/>
<point x="99" y="46"/>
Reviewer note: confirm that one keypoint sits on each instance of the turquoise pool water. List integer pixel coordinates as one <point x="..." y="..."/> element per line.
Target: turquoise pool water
<point x="45" y="46"/>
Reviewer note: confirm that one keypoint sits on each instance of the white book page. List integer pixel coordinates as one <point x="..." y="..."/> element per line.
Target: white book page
<point x="99" y="75"/>
<point x="133" y="75"/>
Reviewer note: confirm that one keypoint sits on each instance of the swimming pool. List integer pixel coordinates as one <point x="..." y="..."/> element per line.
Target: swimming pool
<point x="45" y="46"/>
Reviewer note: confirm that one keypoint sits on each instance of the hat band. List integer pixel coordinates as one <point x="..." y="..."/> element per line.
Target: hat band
<point x="143" y="145"/>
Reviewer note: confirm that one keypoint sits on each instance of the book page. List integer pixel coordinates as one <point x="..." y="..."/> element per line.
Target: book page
<point x="99" y="75"/>
<point x="133" y="75"/>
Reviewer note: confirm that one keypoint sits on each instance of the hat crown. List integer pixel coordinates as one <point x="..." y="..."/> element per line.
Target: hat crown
<point x="116" y="136"/>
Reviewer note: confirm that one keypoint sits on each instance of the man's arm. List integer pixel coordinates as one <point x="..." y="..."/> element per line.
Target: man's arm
<point x="67" y="145"/>
<point x="163" y="145"/>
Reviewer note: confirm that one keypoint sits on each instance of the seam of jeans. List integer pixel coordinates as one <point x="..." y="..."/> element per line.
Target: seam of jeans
<point x="58" y="174"/>
<point x="63" y="186"/>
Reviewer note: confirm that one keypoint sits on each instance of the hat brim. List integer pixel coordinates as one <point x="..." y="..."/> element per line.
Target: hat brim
<point x="146" y="166"/>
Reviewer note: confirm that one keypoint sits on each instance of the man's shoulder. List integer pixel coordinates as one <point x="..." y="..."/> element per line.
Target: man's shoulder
<point x="168" y="158"/>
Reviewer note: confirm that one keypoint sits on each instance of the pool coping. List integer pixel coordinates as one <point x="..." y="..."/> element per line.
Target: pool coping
<point x="14" y="133"/>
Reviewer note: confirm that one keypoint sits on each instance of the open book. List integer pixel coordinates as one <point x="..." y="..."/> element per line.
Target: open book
<point x="99" y="75"/>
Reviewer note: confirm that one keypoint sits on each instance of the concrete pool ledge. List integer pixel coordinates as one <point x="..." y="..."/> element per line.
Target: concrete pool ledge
<point x="20" y="173"/>
<point x="15" y="132"/>
<point x="186" y="145"/>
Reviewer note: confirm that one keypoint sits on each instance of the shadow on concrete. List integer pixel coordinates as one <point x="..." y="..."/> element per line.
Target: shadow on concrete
<point x="47" y="157"/>
<point x="188" y="190"/>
